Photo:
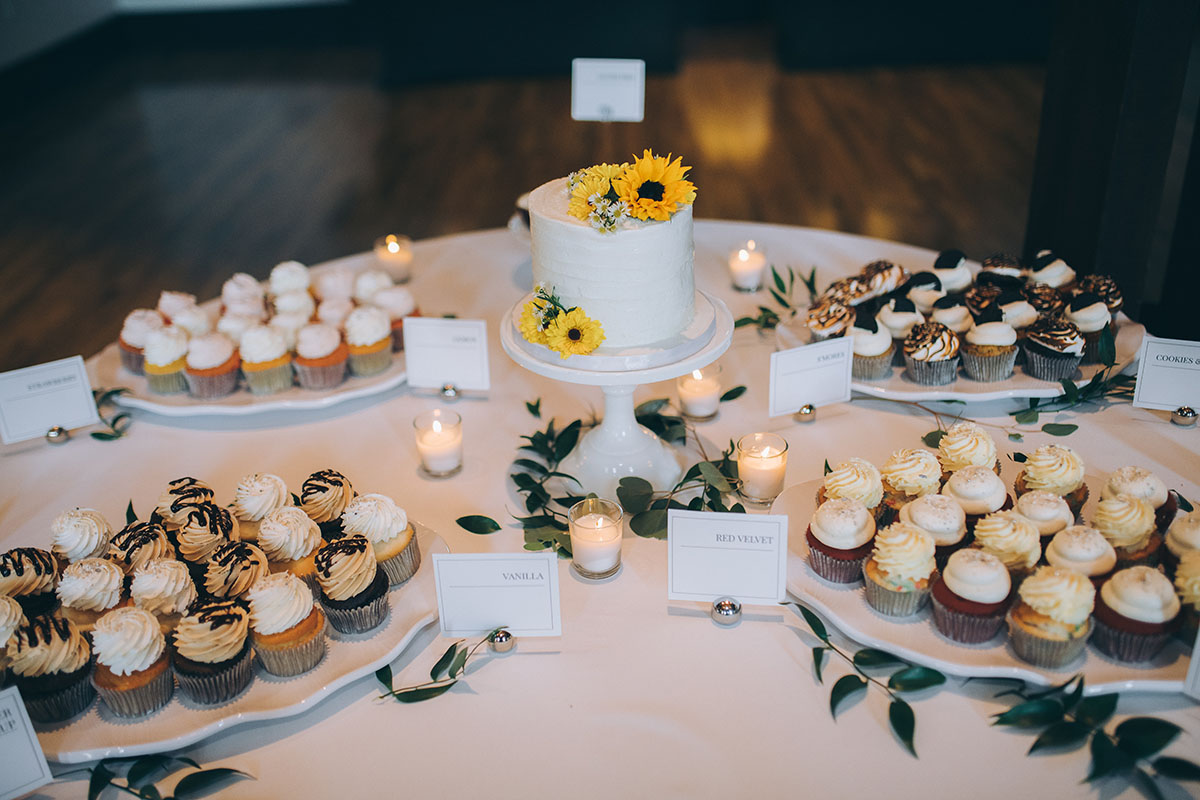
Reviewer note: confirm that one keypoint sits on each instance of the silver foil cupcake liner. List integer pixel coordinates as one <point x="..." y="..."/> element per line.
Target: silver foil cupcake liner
<point x="365" y="364"/>
<point x="171" y="383"/>
<point x="326" y="377"/>
<point x="966" y="628"/>
<point x="208" y="387"/>
<point x="931" y="373"/>
<point x="357" y="620"/>
<point x="835" y="569"/>
<point x="289" y="661"/>
<point x="1132" y="648"/>
<point x="269" y="381"/>
<point x="1050" y="368"/>
<point x="219" y="687"/>
<point x="989" y="368"/>
<point x="892" y="603"/>
<point x="1049" y="653"/>
<point x="402" y="566"/>
<point x="142" y="700"/>
<point x="871" y="368"/>
<point x="61" y="705"/>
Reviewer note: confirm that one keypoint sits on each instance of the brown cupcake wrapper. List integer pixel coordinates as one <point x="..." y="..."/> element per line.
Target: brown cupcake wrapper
<point x="1050" y="368"/>
<point x="63" y="704"/>
<point x="1125" y="646"/>
<point x="288" y="661"/>
<point x="326" y="377"/>
<point x="365" y="364"/>
<point x="989" y="368"/>
<point x="357" y="620"/>
<point x="893" y="603"/>
<point x="208" y="387"/>
<point x="872" y="368"/>
<point x="966" y="628"/>
<point x="397" y="339"/>
<point x="141" y="700"/>
<point x="932" y="373"/>
<point x="835" y="570"/>
<point x="402" y="566"/>
<point x="1048" y="653"/>
<point x="171" y="383"/>
<point x="269" y="381"/>
<point x="134" y="362"/>
<point x="219" y="687"/>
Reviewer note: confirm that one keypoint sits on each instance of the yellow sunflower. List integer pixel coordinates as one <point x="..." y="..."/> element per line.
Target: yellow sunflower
<point x="607" y="171"/>
<point x="529" y="324"/>
<point x="574" y="333"/>
<point x="654" y="187"/>
<point x="589" y="184"/>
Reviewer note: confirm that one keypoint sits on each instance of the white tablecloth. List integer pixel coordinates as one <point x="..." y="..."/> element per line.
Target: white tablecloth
<point x="639" y="697"/>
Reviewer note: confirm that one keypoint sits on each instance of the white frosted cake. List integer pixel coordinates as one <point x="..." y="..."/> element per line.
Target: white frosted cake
<point x="637" y="282"/>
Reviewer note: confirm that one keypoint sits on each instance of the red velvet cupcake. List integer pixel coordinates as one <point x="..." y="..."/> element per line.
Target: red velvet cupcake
<point x="1136" y="613"/>
<point x="839" y="540"/>
<point x="971" y="596"/>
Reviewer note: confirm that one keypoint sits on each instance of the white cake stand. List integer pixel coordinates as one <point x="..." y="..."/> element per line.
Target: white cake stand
<point x="619" y="447"/>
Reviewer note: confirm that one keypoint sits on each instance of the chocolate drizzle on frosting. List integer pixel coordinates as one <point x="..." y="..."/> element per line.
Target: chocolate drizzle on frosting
<point x="235" y="553"/>
<point x="1044" y="297"/>
<point x="829" y="316"/>
<point x="219" y="613"/>
<point x="848" y="291"/>
<point x="1001" y="261"/>
<point x="980" y="297"/>
<point x="320" y="482"/>
<point x="43" y="629"/>
<point x="218" y="521"/>
<point x="1055" y="334"/>
<point x="188" y="491"/>
<point x="949" y="259"/>
<point x="21" y="559"/>
<point x="1106" y="288"/>
<point x="135" y="536"/>
<point x="346" y="546"/>
<point x="939" y="341"/>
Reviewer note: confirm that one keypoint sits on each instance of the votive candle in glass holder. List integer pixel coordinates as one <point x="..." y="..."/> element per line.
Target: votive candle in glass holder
<point x="700" y="392"/>
<point x="439" y="437"/>
<point x="595" y="525"/>
<point x="395" y="256"/>
<point x="746" y="265"/>
<point x="762" y="464"/>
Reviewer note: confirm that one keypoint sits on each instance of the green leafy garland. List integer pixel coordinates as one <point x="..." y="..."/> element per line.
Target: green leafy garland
<point x="445" y="673"/>
<point x="784" y="292"/>
<point x="134" y="776"/>
<point x="1103" y="384"/>
<point x="115" y="426"/>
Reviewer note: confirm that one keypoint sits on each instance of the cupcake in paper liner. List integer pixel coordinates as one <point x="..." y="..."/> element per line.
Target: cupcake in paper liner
<point x="324" y="496"/>
<point x="79" y="533"/>
<point x="165" y="588"/>
<point x="1051" y="622"/>
<point x="165" y="358"/>
<point x="931" y="354"/>
<point x="212" y="366"/>
<point x="970" y="597"/>
<point x="385" y="525"/>
<point x="990" y="349"/>
<point x="1053" y="349"/>
<point x="213" y="660"/>
<point x="1127" y="522"/>
<point x="924" y="289"/>
<point x="900" y="571"/>
<point x="839" y="539"/>
<point x="855" y="479"/>
<point x="321" y="357"/>
<point x="88" y="589"/>
<point x="1050" y="270"/>
<point x="353" y="589"/>
<point x="50" y="663"/>
<point x="1090" y="314"/>
<point x="1141" y="482"/>
<point x="898" y="317"/>
<point x="290" y="540"/>
<point x="266" y="363"/>
<point x="256" y="496"/>
<point x="873" y="348"/>
<point x="134" y="332"/>
<point x="828" y="319"/>
<point x="133" y="666"/>
<point x="1136" y="614"/>
<point x="1056" y="469"/>
<point x="287" y="629"/>
<point x="951" y="270"/>
<point x="398" y="302"/>
<point x="29" y="575"/>
<point x="1107" y="290"/>
<point x="369" y="337"/>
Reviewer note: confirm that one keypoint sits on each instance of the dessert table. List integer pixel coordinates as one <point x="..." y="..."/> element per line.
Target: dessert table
<point x="639" y="697"/>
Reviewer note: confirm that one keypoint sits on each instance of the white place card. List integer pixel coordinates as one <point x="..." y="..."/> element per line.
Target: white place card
<point x="478" y="592"/>
<point x="608" y="89"/>
<point x="35" y="399"/>
<point x="441" y="351"/>
<point x="813" y="373"/>
<point x="1191" y="684"/>
<point x="712" y="555"/>
<point x="1168" y="374"/>
<point x="23" y="766"/>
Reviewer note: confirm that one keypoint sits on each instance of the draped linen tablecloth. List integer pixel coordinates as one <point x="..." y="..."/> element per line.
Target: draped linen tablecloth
<point x="639" y="697"/>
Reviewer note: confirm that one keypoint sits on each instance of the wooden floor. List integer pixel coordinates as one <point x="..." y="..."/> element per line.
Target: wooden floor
<point x="174" y="170"/>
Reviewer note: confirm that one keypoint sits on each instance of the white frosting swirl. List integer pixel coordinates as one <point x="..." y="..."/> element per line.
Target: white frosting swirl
<point x="1090" y="318"/>
<point x="367" y="325"/>
<point x="904" y="552"/>
<point x="163" y="586"/>
<point x="1019" y="314"/>
<point x="977" y="576"/>
<point x="966" y="445"/>
<point x="209" y="351"/>
<point x="1187" y="581"/>
<point x="333" y="282"/>
<point x="898" y="323"/>
<point x="128" y="640"/>
<point x="137" y="326"/>
<point x="279" y="602"/>
<point x="1082" y="549"/>
<point x="1054" y="468"/>
<point x="376" y="517"/>
<point x="334" y="311"/>
<point x="197" y="638"/>
<point x="939" y="516"/>
<point x="242" y="294"/>
<point x="299" y="302"/>
<point x="235" y="326"/>
<point x="956" y="318"/>
<point x="91" y="584"/>
<point x="369" y="282"/>
<point x="855" y="479"/>
<point x="1141" y="593"/>
<point x="397" y="301"/>
<point x="171" y="303"/>
<point x="289" y="326"/>
<point x="80" y="533"/>
<point x="923" y="297"/>
<point x="1056" y="273"/>
<point x="259" y="494"/>
<point x="843" y="524"/>
<point x="289" y="276"/>
<point x="1138" y="482"/>
<point x="1046" y="510"/>
<point x="1011" y="538"/>
<point x="871" y="343"/>
<point x="262" y="343"/>
<point x="1184" y="534"/>
<point x="1064" y="595"/>
<point x="978" y="490"/>
<point x="913" y="472"/>
<point x="956" y="278"/>
<point x="234" y="568"/>
<point x="317" y="340"/>
<point x="346" y="568"/>
<point x="1126" y="521"/>
<point x="287" y="534"/>
<point x="992" y="333"/>
<point x="194" y="319"/>
<point x="166" y="346"/>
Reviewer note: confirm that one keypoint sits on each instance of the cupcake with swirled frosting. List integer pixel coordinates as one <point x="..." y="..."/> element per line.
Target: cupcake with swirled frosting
<point x="970" y="596"/>
<point x="872" y="347"/>
<point x="257" y="495"/>
<point x="990" y="348"/>
<point x="979" y="491"/>
<point x="1128" y="524"/>
<point x="1089" y="313"/>
<point x="931" y="354"/>
<point x="398" y="302"/>
<point x="386" y="527"/>
<point x="369" y="337"/>
<point x="839" y="539"/>
<point x="899" y="572"/>
<point x="206" y="527"/>
<point x="943" y="519"/>
<point x="266" y="362"/>
<point x="353" y="590"/>
<point x="324" y="496"/>
<point x="29" y="575"/>
<point x="88" y="589"/>
<point x="906" y="475"/>
<point x="321" y="356"/>
<point x="1056" y="469"/>
<point x="177" y="499"/>
<point x="291" y="540"/>
<point x="138" y="543"/>
<point x="50" y="663"/>
<point x="1084" y="550"/>
<point x="883" y="277"/>
<point x="1053" y="349"/>
<point x="233" y="569"/>
<point x="165" y="588"/>
<point x="133" y="665"/>
<point x="981" y="297"/>
<point x="1012" y="539"/>
<point x="850" y="291"/>
<point x="243" y="294"/>
<point x="1003" y="264"/>
<point x="11" y="618"/>
<point x="1045" y="299"/>
<point x="899" y="316"/>
<point x="828" y="319"/>
<point x="131" y="342"/>
<point x="78" y="534"/>
<point x="164" y="360"/>
<point x="1141" y="482"/>
<point x="286" y="626"/>
<point x="213" y="660"/>
<point x="1051" y="623"/>
<point x="1136" y="614"/>
<point x="1187" y="586"/>
<point x="298" y="302"/>
<point x="212" y="366"/>
<point x="289" y="276"/>
<point x="965" y="444"/>
<point x="854" y="479"/>
<point x="952" y="312"/>
<point x="1048" y="512"/>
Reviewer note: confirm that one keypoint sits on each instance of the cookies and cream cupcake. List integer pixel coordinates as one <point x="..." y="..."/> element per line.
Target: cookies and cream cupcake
<point x="165" y="357"/>
<point x="87" y="589"/>
<point x="907" y="475"/>
<point x="1091" y="316"/>
<point x="828" y="319"/>
<point x="1049" y="269"/>
<point x="29" y="575"/>
<point x="324" y="496"/>
<point x="966" y="444"/>
<point x="321" y="356"/>
<point x="924" y="289"/>
<point x="1136" y="614"/>
<point x="839" y="539"/>
<point x="133" y="666"/>
<point x="951" y="269"/>
<point x="989" y="349"/>
<point x="1128" y="524"/>
<point x="1012" y="539"/>
<point x="979" y="491"/>
<point x="369" y="282"/>
<point x="206" y="527"/>
<point x="353" y="590"/>
<point x="872" y="347"/>
<point x="385" y="525"/>
<point x="854" y="479"/>
<point x="1053" y="349"/>
<point x="131" y="342"/>
<point x="213" y="660"/>
<point x="369" y="337"/>
<point x="266" y="363"/>
<point x="212" y="366"/>
<point x="943" y="519"/>
<point x="289" y="276"/>
<point x="970" y="596"/>
<point x="952" y="312"/>
<point x="79" y="533"/>
<point x="398" y="302"/>
<point x="1048" y="512"/>
<point x="286" y="626"/>
<point x="243" y="294"/>
<point x="290" y="541"/>
<point x="50" y="660"/>
<point x="931" y="354"/>
<point x="1084" y="550"/>
<point x="1108" y="291"/>
<point x="165" y="588"/>
<point x="257" y="495"/>
<point x="1016" y="310"/>
<point x="1143" y="483"/>
<point x="138" y="543"/>
<point x="1056" y="469"/>
<point x="900" y="570"/>
<point x="1051" y="623"/>
<point x="178" y="498"/>
<point x="233" y="569"/>
<point x="899" y="316"/>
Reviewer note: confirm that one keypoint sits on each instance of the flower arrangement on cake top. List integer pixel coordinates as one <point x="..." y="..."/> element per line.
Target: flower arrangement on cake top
<point x="566" y="331"/>
<point x="606" y="196"/>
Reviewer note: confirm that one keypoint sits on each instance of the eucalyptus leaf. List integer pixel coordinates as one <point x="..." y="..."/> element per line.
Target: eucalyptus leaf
<point x="130" y="515"/>
<point x="417" y="695"/>
<point x="650" y="524"/>
<point x="696" y="504"/>
<point x="1106" y="758"/>
<point x="779" y="284"/>
<point x="933" y="438"/>
<point x="713" y="477"/>
<point x="819" y="656"/>
<point x="1070" y="390"/>
<point x="779" y="298"/>
<point x="915" y="678"/>
<point x="635" y="494"/>
<point x="459" y="663"/>
<point x="650" y="407"/>
<point x="903" y="722"/>
<point x="200" y="783"/>
<point x="1097" y="709"/>
<point x="439" y="669"/>
<point x="569" y="500"/>
<point x="1107" y="349"/>
<point x="530" y="464"/>
<point x="101" y="777"/>
<point x="535" y="408"/>
<point x="141" y="770"/>
<point x="1148" y="786"/>
<point x="1016" y="437"/>
<point x="846" y="686"/>
<point x="564" y="476"/>
<point x="384" y="676"/>
<point x="1140" y="737"/>
<point x="733" y="394"/>
<point x="1071" y="700"/>
<point x="828" y="469"/>
<point x="1067" y="733"/>
<point x="563" y="540"/>
<point x="1177" y="769"/>
<point x="742" y="322"/>
<point x="870" y="657"/>
<point x="566" y="440"/>
<point x="738" y="508"/>
<point x="814" y="623"/>
<point x="1059" y="429"/>
<point x="477" y="523"/>
<point x="1027" y="417"/>
<point x="1031" y="714"/>
<point x="524" y="481"/>
<point x="1020" y="458"/>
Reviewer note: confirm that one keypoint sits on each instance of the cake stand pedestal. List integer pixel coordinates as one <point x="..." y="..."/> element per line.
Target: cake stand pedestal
<point x="619" y="447"/>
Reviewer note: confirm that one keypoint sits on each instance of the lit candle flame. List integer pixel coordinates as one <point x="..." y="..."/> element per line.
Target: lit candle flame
<point x="743" y="255"/>
<point x="750" y="245"/>
<point x="437" y="426"/>
<point x="697" y="374"/>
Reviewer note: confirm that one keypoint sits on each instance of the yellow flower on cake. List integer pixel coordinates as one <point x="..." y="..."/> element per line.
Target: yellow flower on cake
<point x="530" y="324"/>
<point x="607" y="171"/>
<point x="574" y="333"/>
<point x="654" y="187"/>
<point x="588" y="186"/>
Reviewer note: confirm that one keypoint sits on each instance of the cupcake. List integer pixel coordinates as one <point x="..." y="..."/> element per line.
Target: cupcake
<point x="257" y="495"/>
<point x="334" y="311"/>
<point x="1050" y="625"/>
<point x="235" y="326"/>
<point x="966" y="444"/>
<point x="971" y="596"/>
<point x="233" y="569"/>
<point x="132" y="340"/>
<point x="165" y="588"/>
<point x="29" y="575"/>
<point x="1182" y="537"/>
<point x="979" y="491"/>
<point x="213" y="661"/>
<point x="1016" y="311"/>
<point x="133" y="666"/>
<point x="333" y="283"/>
<point x="178" y="498"/>
<point x="981" y="297"/>
<point x="839" y="539"/>
<point x="290" y="541"/>
<point x="1145" y="484"/>
<point x="899" y="316"/>
<point x="1012" y="539"/>
<point x="1053" y="349"/>
<point x="321" y="357"/>
<point x="898" y="574"/>
<point x="50" y="662"/>
<point x="194" y="321"/>
<point x="924" y="289"/>
<point x="1135" y="615"/>
<point x="951" y="269"/>
<point x="855" y="479"/>
<point x="139" y="543"/>
<point x="1090" y="315"/>
<point x="851" y="291"/>
<point x="1084" y="550"/>
<point x="369" y="337"/>
<point x="368" y="283"/>
<point x="354" y="591"/>
<point x="78" y="534"/>
<point x="288" y="326"/>
<point x="989" y="349"/>
<point x="1001" y="264"/>
<point x="1045" y="299"/>
<point x="165" y="359"/>
<point x="1048" y="512"/>
<point x="883" y="277"/>
<point x="872" y="347"/>
<point x="171" y="303"/>
<point x="828" y="319"/>
<point x="943" y="519"/>
<point x="299" y="303"/>
<point x="289" y="276"/>
<point x="266" y="362"/>
<point x="399" y="303"/>
<point x="1049" y="269"/>
<point x="386" y="527"/>
<point x="206" y="527"/>
<point x="931" y="354"/>
<point x="88" y="589"/>
<point x="952" y="312"/>
<point x="1128" y="524"/>
<point x="1056" y="469"/>
<point x="242" y="294"/>
<point x="324" y="496"/>
<point x="1108" y="291"/>
<point x="1187" y="586"/>
<point x="287" y="628"/>
<point x="212" y="366"/>
<point x="907" y="475"/>
<point x="11" y="618"/>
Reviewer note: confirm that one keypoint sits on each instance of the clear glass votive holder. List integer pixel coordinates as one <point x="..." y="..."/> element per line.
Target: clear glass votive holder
<point x="700" y="393"/>
<point x="746" y="266"/>
<point x="439" y="436"/>
<point x="395" y="256"/>
<point x="595" y="526"/>
<point x="762" y="465"/>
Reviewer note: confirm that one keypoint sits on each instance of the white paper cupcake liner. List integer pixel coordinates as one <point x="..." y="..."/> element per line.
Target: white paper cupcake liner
<point x="1132" y="648"/>
<point x="1043" y="652"/>
<point x="219" y="687"/>
<point x="326" y="377"/>
<point x="1050" y="368"/>
<point x="141" y="700"/>
<point x="893" y="603"/>
<point x="171" y="383"/>
<point x="208" y="387"/>
<point x="966" y="628"/>
<point x="357" y="620"/>
<point x="269" y="381"/>
<point x="289" y="661"/>
<point x="989" y="368"/>
<point x="364" y="364"/>
<point x="871" y="368"/>
<point x="835" y="569"/>
<point x="402" y="566"/>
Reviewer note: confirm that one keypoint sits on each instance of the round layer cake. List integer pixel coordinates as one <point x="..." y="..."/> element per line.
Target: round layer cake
<point x="636" y="281"/>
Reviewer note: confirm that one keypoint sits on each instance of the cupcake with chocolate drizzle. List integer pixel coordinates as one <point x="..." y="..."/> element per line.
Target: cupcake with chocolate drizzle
<point x="11" y="618"/>
<point x="828" y="319"/>
<point x="178" y="497"/>
<point x="979" y="297"/>
<point x="1107" y="289"/>
<point x="51" y="660"/>
<point x="354" y="590"/>
<point x="233" y="569"/>
<point x="324" y="496"/>
<point x="139" y="543"/>
<point x="851" y="291"/>
<point x="206" y="527"/>
<point x="29" y="576"/>
<point x="931" y="354"/>
<point x="1053" y="349"/>
<point x="213" y="660"/>
<point x="1045" y="299"/>
<point x="883" y="277"/>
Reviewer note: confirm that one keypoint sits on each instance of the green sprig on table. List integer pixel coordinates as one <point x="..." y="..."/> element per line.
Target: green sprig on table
<point x="446" y="672"/>
<point x="710" y="480"/>
<point x="136" y="776"/>
<point x="784" y="293"/>
<point x="115" y="426"/>
<point x="1103" y="384"/>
